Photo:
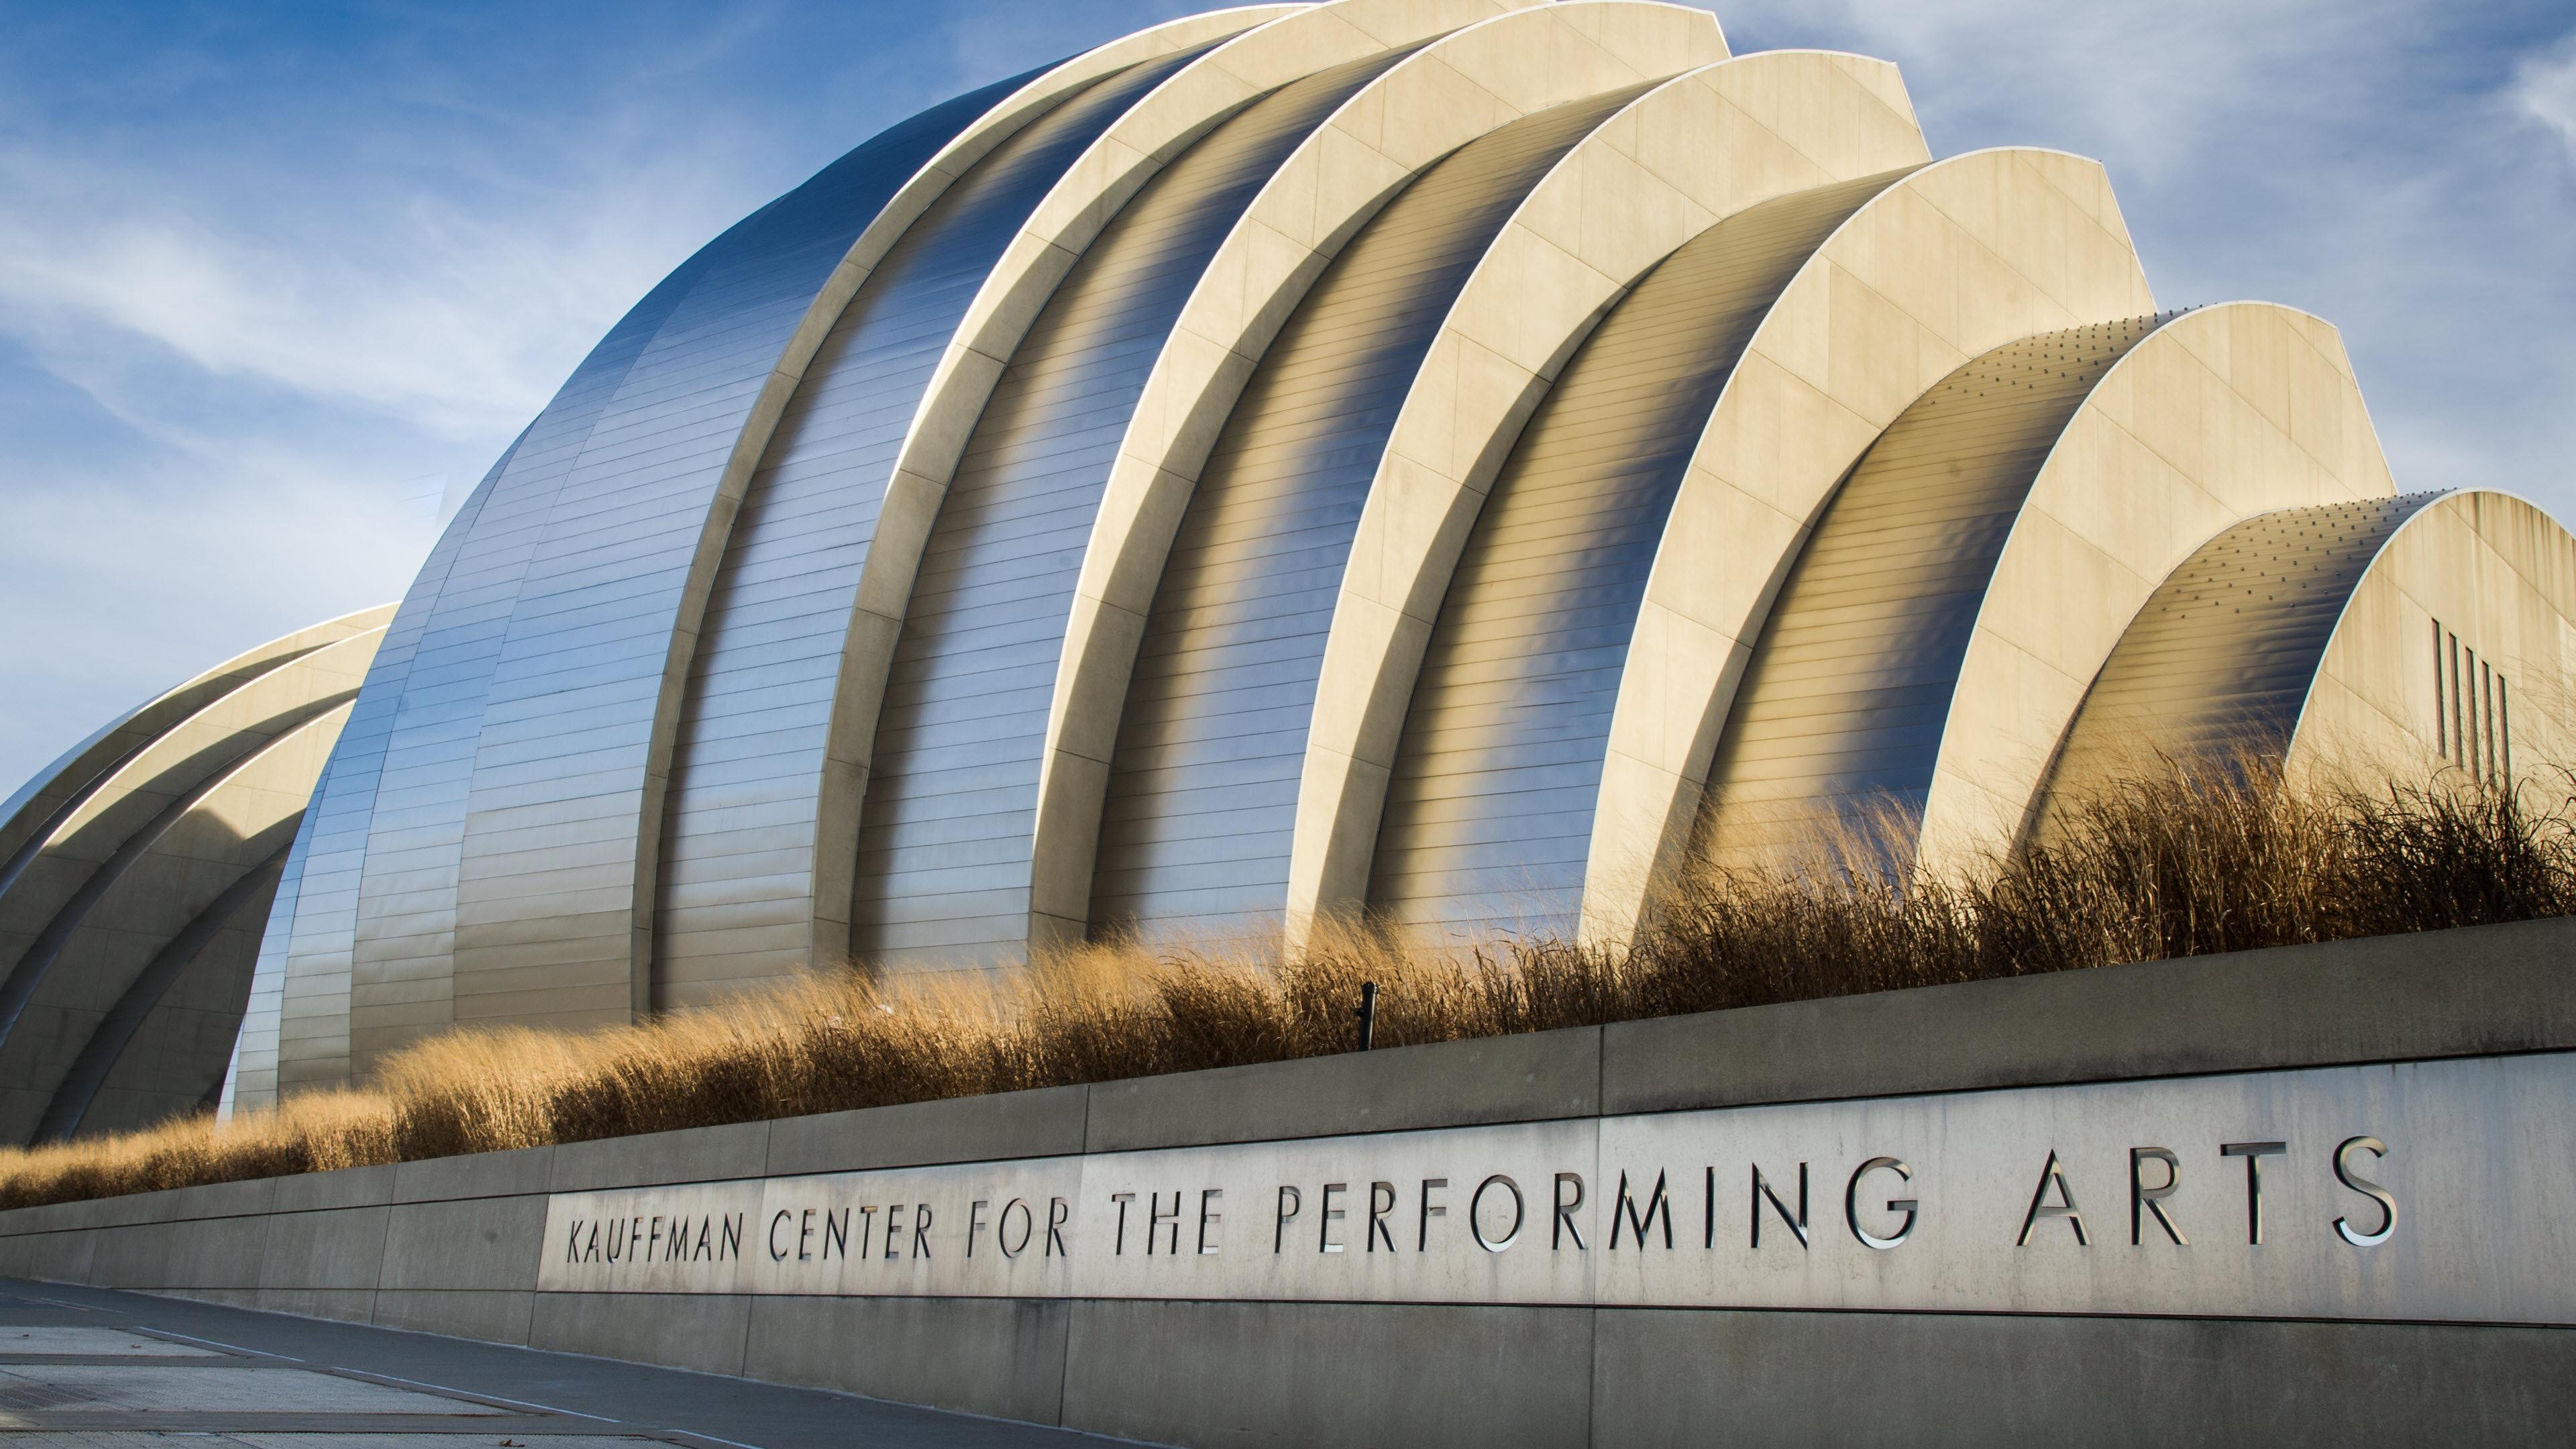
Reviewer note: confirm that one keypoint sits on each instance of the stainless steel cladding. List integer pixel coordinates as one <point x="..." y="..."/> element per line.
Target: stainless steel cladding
<point x="1444" y="459"/>
<point x="749" y="771"/>
<point x="1489" y="818"/>
<point x="1841" y="710"/>
<point x="606" y="558"/>
<point x="1202" y="795"/>
<point x="944" y="856"/>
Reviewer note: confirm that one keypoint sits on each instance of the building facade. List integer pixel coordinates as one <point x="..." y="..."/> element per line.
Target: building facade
<point x="1455" y="459"/>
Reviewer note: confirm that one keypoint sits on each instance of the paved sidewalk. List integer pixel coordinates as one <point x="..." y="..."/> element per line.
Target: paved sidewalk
<point x="87" y="1368"/>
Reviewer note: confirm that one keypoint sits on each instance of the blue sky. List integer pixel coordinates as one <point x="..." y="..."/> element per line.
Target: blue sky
<point x="278" y="282"/>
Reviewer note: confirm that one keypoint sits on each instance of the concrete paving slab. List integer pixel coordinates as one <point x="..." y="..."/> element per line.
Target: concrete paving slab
<point x="444" y="1393"/>
<point x="153" y="1439"/>
<point x="55" y="1338"/>
<point x="243" y="1384"/>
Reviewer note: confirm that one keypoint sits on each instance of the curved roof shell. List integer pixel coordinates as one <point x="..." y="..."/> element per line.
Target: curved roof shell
<point x="1453" y="459"/>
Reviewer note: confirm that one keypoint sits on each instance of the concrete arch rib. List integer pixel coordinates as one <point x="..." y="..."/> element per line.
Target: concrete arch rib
<point x="942" y="861"/>
<point x="1200" y="810"/>
<point x="163" y="877"/>
<point x="109" y="1043"/>
<point x="2221" y="657"/>
<point x="1467" y="84"/>
<point x="540" y="709"/>
<point x="757" y="854"/>
<point x="556" y="880"/>
<point x="1489" y="807"/>
<point x="2385" y="636"/>
<point x="2218" y="415"/>
<point x="42" y="804"/>
<point x="102" y="829"/>
<point x="1675" y="161"/>
<point x="1958" y="258"/>
<point x="1841" y="710"/>
<point x="2498" y="573"/>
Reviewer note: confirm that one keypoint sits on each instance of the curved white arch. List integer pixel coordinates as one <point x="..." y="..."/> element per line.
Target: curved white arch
<point x="1130" y="153"/>
<point x="112" y="928"/>
<point x="179" y="760"/>
<point x="2218" y="415"/>
<point x="1460" y="87"/>
<point x="2499" y="573"/>
<point x="1956" y="259"/>
<point x="1674" y="162"/>
<point x="463" y="915"/>
<point x="36" y="808"/>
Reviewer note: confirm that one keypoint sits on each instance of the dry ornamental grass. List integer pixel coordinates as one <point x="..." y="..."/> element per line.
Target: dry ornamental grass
<point x="2166" y="863"/>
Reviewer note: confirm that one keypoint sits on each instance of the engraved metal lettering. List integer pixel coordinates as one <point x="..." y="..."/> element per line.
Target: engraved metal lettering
<point x="1422" y="1234"/>
<point x="778" y="1254"/>
<point x="804" y="1235"/>
<point x="1708" y="1209"/>
<point x="1291" y="1203"/>
<point x="1905" y="1205"/>
<point x="2253" y="1153"/>
<point x="2041" y="1207"/>
<point x="2145" y="1200"/>
<point x="893" y="1245"/>
<point x="921" y="1230"/>
<point x="974" y="1224"/>
<point x="1563" y="1227"/>
<point x="1059" y="1212"/>
<point x="1002" y="1228"/>
<point x="1624" y="1212"/>
<point x="1476" y="1214"/>
<point x="1328" y="1216"/>
<point x="1381" y="1202"/>
<point x="1208" y="1219"/>
<point x="1119" y="1247"/>
<point x="836" y="1233"/>
<point x="1159" y="1221"/>
<point x="2345" y="1174"/>
<point x="1762" y="1190"/>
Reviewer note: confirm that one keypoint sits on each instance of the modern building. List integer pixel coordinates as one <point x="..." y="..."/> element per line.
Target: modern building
<point x="1447" y="458"/>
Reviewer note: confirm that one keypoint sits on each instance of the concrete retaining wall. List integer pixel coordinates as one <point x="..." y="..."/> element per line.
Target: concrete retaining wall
<point x="449" y="1246"/>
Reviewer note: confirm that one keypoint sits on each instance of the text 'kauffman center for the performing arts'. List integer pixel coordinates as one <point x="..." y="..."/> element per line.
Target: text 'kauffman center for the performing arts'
<point x="1454" y="459"/>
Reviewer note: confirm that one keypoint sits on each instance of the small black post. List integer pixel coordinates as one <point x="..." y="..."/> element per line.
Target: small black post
<point x="1367" y="1014"/>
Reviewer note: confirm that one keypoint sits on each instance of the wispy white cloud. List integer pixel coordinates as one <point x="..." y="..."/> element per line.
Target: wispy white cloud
<point x="2544" y="90"/>
<point x="253" y="347"/>
<point x="454" y="317"/>
<point x="2395" y="166"/>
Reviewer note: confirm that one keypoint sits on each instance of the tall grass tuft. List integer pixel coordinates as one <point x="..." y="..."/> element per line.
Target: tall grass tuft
<point x="2166" y="862"/>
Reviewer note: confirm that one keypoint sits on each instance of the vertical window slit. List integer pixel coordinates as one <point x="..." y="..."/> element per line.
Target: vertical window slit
<point x="2504" y="728"/>
<point x="2469" y="662"/>
<point x="2459" y="751"/>
<point x="2441" y="725"/>
<point x="2486" y="723"/>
